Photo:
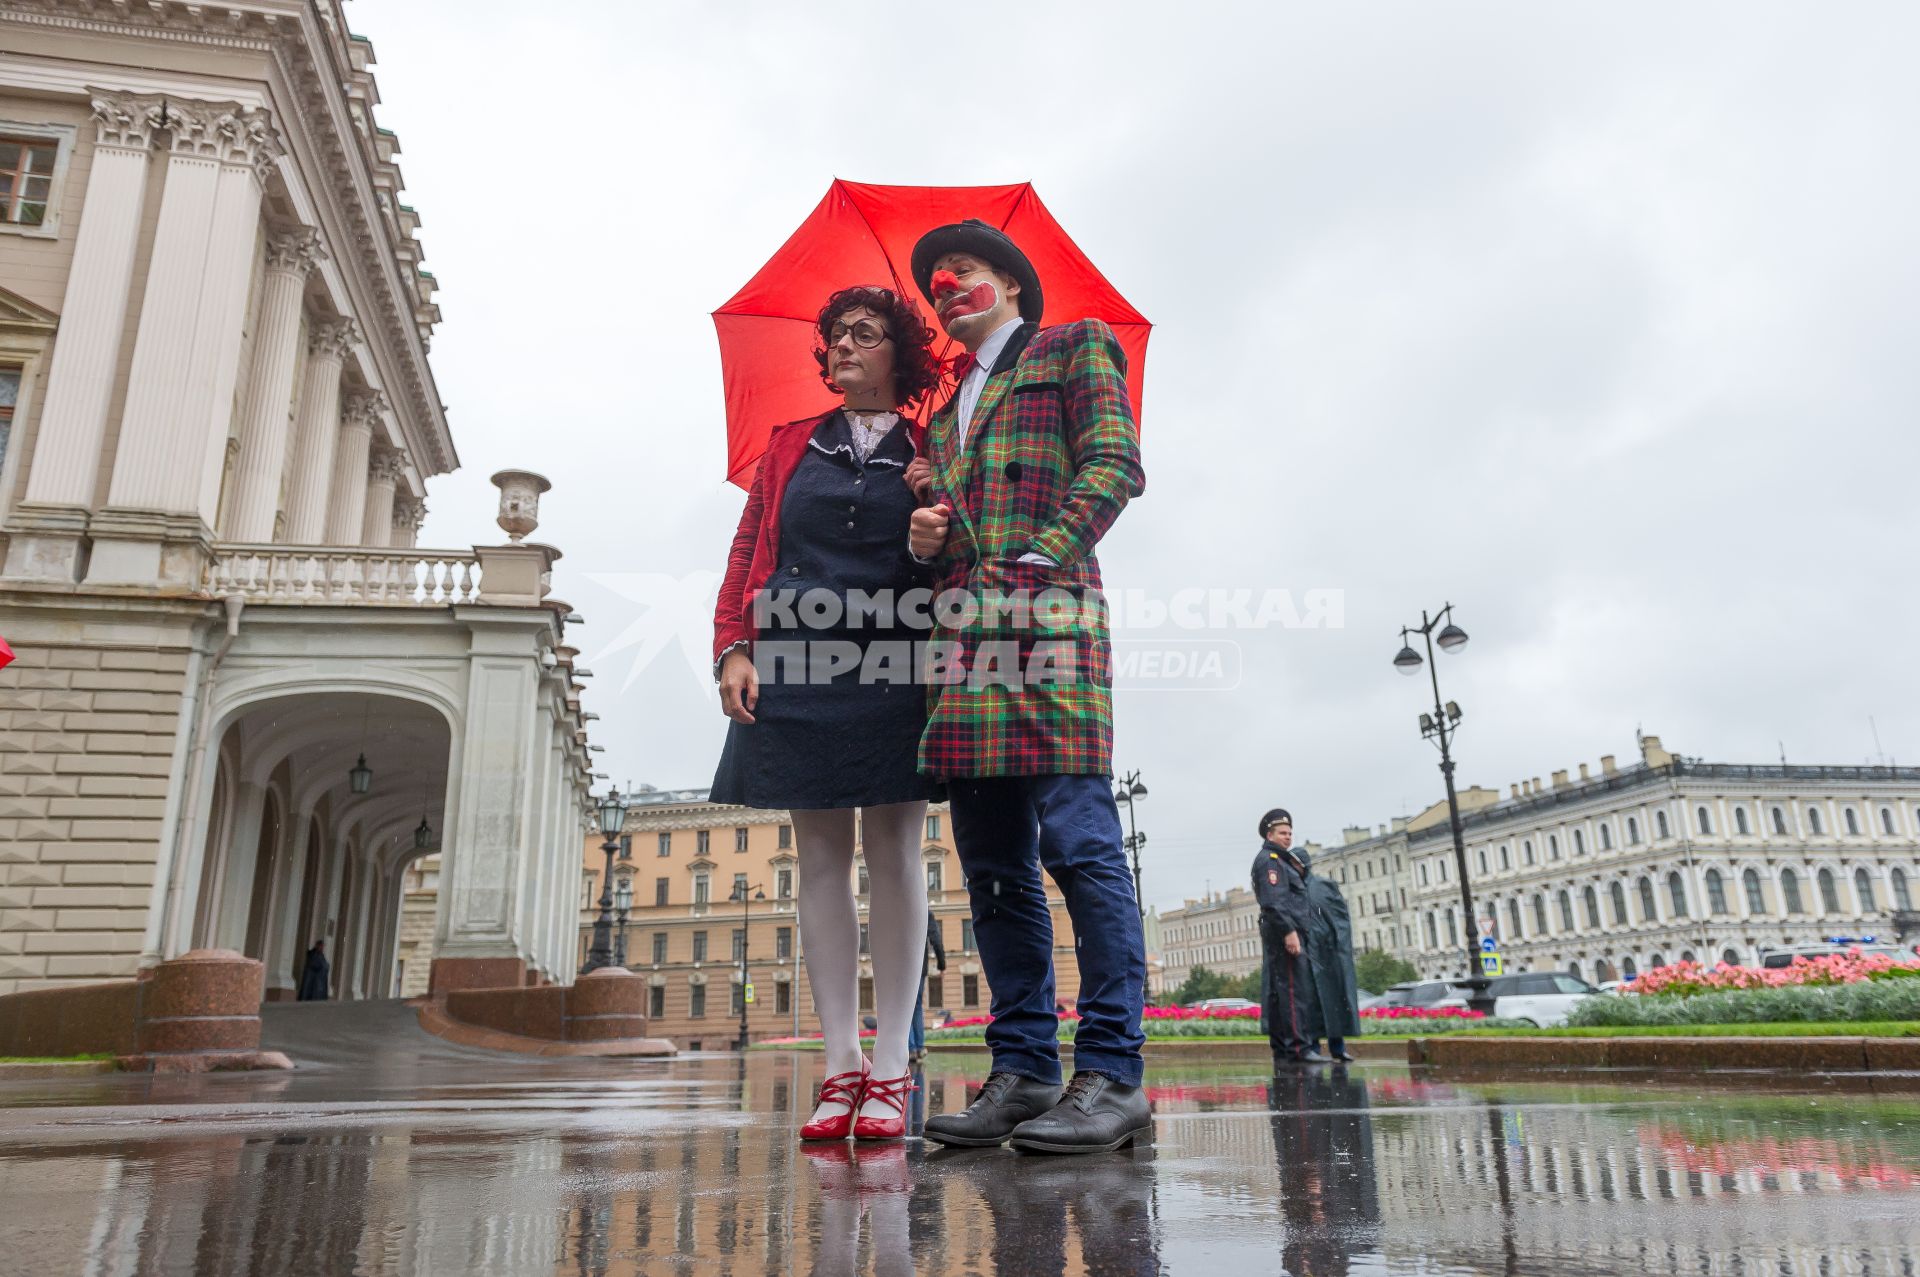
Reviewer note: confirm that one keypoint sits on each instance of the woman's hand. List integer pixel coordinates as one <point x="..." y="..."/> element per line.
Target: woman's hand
<point x="927" y="530"/>
<point x="919" y="477"/>
<point x="739" y="686"/>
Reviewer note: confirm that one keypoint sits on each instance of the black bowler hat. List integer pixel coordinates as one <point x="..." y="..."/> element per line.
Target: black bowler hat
<point x="1273" y="818"/>
<point x="989" y="244"/>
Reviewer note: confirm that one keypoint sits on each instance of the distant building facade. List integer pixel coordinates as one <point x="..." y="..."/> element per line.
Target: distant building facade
<point x="1673" y="858"/>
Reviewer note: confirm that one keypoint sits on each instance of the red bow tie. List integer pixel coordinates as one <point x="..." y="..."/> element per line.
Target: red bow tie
<point x="961" y="365"/>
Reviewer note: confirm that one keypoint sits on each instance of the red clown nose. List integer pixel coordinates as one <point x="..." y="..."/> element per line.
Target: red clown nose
<point x="944" y="281"/>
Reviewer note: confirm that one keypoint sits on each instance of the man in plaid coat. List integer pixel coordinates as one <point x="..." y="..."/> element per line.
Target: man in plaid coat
<point x="1031" y="461"/>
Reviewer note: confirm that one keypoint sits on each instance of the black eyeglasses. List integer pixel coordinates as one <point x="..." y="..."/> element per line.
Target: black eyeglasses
<point x="866" y="334"/>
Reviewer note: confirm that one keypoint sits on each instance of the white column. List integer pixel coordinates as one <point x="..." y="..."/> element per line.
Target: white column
<point x="263" y="424"/>
<point x="166" y="473"/>
<point x="376" y="522"/>
<point x="318" y="430"/>
<point x="347" y="492"/>
<point x="408" y="514"/>
<point x="283" y="944"/>
<point x="80" y="376"/>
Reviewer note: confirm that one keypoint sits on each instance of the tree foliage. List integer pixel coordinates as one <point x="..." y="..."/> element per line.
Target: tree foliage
<point x="1376" y="970"/>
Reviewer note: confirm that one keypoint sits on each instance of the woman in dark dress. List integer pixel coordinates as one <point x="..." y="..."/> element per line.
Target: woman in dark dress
<point x="825" y="707"/>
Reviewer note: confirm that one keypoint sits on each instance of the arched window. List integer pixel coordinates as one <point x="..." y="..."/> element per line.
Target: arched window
<point x="1660" y="824"/>
<point x="1443" y="868"/>
<point x="1482" y="853"/>
<point x="1423" y="873"/>
<point x="1863" y="890"/>
<point x="1526" y="851"/>
<point x="1813" y="820"/>
<point x="1617" y="897"/>
<point x="1590" y="906"/>
<point x="1553" y="846"/>
<point x="1716" y="892"/>
<point x="1433" y="932"/>
<point x="1750" y="883"/>
<point x="1453" y="930"/>
<point x="1686" y="955"/>
<point x="1790" y="891"/>
<point x="1779" y="821"/>
<point x="1627" y="970"/>
<point x="1677" y="892"/>
<point x="1579" y="843"/>
<point x="1740" y="821"/>
<point x="1705" y="818"/>
<point x="1506" y="858"/>
<point x="1606" y="836"/>
<point x="1897" y="883"/>
<point x="1886" y="820"/>
<point x="1829" y="891"/>
<point x="1853" y="822"/>
<point x="1647" y="911"/>
<point x="1728" y="958"/>
<point x="1539" y="915"/>
<point x="1633" y="831"/>
<point x="1566" y="911"/>
<point x="1656" y="960"/>
<point x="1573" y="969"/>
<point x="1513" y="918"/>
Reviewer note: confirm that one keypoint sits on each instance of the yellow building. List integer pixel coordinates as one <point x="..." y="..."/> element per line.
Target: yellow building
<point x="686" y="860"/>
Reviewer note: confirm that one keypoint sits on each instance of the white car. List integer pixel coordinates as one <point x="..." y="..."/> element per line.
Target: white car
<point x="1541" y="999"/>
<point x="1225" y="1004"/>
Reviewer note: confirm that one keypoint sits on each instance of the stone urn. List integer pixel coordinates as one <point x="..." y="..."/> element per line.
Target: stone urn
<point x="519" y="501"/>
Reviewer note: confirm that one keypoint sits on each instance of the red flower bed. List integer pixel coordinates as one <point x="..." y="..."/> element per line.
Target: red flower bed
<point x="1421" y="1013"/>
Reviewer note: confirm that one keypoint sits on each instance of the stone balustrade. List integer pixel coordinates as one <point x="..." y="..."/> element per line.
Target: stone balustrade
<point x="345" y="576"/>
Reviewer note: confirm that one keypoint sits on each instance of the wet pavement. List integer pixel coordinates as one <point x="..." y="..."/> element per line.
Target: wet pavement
<point x="389" y="1152"/>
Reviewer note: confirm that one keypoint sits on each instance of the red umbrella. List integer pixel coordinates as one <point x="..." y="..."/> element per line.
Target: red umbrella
<point x="863" y="234"/>
<point x="6" y="654"/>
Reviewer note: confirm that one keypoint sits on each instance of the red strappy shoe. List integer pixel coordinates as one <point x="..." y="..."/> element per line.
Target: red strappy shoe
<point x="842" y="1088"/>
<point x="892" y="1091"/>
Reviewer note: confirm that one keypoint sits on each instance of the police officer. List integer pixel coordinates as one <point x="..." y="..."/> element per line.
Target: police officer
<point x="1280" y="885"/>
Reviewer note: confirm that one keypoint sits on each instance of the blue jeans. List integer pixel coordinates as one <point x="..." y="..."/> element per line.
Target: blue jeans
<point x="1007" y="828"/>
<point x="917" y="1026"/>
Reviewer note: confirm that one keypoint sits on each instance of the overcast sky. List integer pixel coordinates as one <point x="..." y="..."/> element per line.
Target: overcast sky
<point x="1597" y="321"/>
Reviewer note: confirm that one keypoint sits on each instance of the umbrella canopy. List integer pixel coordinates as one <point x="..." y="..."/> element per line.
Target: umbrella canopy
<point x="862" y="234"/>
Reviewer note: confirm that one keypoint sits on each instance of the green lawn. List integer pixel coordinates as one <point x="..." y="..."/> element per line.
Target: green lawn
<point x="55" y="1059"/>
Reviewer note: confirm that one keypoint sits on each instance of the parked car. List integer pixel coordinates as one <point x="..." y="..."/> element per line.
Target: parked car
<point x="1775" y="959"/>
<point x="1539" y="998"/>
<point x="1413" y="993"/>
<point x="1225" y="1004"/>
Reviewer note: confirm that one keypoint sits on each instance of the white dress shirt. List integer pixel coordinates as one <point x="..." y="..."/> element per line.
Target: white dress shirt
<point x="974" y="384"/>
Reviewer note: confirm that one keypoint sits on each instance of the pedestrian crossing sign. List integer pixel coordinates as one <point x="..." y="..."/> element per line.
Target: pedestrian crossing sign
<point x="1490" y="964"/>
<point x="749" y="994"/>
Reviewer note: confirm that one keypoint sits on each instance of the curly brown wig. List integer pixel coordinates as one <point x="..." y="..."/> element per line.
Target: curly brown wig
<point x="915" y="372"/>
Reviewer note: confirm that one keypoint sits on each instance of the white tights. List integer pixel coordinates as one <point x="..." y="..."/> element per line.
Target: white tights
<point x="830" y="931"/>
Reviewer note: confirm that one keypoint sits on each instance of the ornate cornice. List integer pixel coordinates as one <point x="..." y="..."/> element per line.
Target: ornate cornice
<point x="334" y="338"/>
<point x="409" y="513"/>
<point x="365" y="408"/>
<point x="297" y="251"/>
<point x="127" y="120"/>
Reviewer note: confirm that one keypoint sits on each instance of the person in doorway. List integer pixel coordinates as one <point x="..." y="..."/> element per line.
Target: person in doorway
<point x="1286" y="999"/>
<point x="1030" y="462"/>
<point x="917" y="1027"/>
<point x="834" y="743"/>
<point x="316" y="975"/>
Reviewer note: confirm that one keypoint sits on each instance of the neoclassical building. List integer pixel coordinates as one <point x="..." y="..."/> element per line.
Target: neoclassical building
<point x="244" y="700"/>
<point x="1672" y="858"/>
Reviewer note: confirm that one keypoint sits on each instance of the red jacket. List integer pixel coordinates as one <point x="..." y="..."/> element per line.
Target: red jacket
<point x="756" y="544"/>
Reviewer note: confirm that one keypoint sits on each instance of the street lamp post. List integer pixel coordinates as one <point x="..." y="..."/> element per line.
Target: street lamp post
<point x="740" y="894"/>
<point x="1439" y="727"/>
<point x="622" y="905"/>
<point x="1128" y="790"/>
<point x="613" y="818"/>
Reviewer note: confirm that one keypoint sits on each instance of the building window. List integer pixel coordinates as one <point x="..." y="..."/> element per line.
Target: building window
<point x="1590" y="906"/>
<point x="1705" y="818"/>
<point x="1606" y="836"/>
<point x="1740" y="822"/>
<point x="1648" y="913"/>
<point x="1779" y="821"/>
<point x="1443" y="870"/>
<point x="1677" y="893"/>
<point x="1729" y="958"/>
<point x="1423" y="873"/>
<point x="659" y="891"/>
<point x="1566" y="911"/>
<point x="1853" y="822"/>
<point x="1539" y="915"/>
<point x="739" y="891"/>
<point x="1633" y="831"/>
<point x="1579" y="843"/>
<point x="970" y="990"/>
<point x="739" y="1000"/>
<point x="864" y="948"/>
<point x="1660" y="825"/>
<point x="664" y="847"/>
<point x="739" y="840"/>
<point x="1506" y="858"/>
<point x="783" y="998"/>
<point x="1897" y="883"/>
<point x="866" y="993"/>
<point x="626" y="846"/>
<point x="936" y="992"/>
<point x="1453" y="929"/>
<point x="1829" y="891"/>
<point x="659" y="947"/>
<point x="26" y="179"/>
<point x="1526" y="851"/>
<point x="656" y="1002"/>
<point x="783" y="884"/>
<point x="592" y="888"/>
<point x="702" y="841"/>
<point x="786" y="837"/>
<point x="860" y="880"/>
<point x="1627" y="969"/>
<point x="1790" y="891"/>
<point x="702" y="888"/>
<point x="1513" y="917"/>
<point x="1886" y="813"/>
<point x="1433" y="932"/>
<point x="936" y="876"/>
<point x="699" y="946"/>
<point x="1863" y="890"/>
<point x="739" y="944"/>
<point x="697" y="1002"/>
<point x="1617" y="899"/>
<point x="1482" y="853"/>
<point x="1553" y="846"/>
<point x="1657" y="960"/>
<point x="933" y="827"/>
<point x="782" y="943"/>
<point x="1813" y="820"/>
<point x="1716" y="892"/>
<point x="966" y="935"/>
<point x="1756" y="901"/>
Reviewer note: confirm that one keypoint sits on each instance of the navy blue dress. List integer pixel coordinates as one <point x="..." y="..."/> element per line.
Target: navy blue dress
<point x="844" y="742"/>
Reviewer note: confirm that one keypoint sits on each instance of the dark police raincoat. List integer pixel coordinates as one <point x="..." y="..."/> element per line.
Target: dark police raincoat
<point x="315" y="978"/>
<point x="1286" y="986"/>
<point x="1329" y="945"/>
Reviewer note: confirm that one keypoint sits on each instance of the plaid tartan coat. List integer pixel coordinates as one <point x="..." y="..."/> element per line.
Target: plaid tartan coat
<point x="1050" y="460"/>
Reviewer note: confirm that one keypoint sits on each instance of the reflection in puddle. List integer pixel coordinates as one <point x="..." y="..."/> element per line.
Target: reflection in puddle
<point x="693" y="1165"/>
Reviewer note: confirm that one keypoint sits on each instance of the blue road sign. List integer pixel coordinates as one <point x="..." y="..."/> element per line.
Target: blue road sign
<point x="1488" y="944"/>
